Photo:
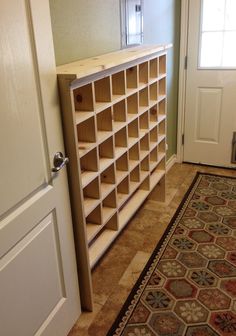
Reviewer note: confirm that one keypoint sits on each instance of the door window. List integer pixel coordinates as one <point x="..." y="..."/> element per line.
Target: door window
<point x="218" y="34"/>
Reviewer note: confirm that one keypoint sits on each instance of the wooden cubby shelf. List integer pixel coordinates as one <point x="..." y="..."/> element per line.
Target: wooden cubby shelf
<point x="114" y="120"/>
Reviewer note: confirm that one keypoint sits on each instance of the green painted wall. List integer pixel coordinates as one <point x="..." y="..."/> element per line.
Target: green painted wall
<point x="162" y="25"/>
<point x="84" y="28"/>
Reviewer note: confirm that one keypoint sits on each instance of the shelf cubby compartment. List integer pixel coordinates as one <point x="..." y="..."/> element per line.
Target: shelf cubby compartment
<point x="133" y="132"/>
<point x="162" y="147"/>
<point x="134" y="179"/>
<point x="143" y="100"/>
<point x="162" y="89"/>
<point x="106" y="153"/>
<point x="104" y="124"/>
<point x="144" y="146"/>
<point x="134" y="156"/>
<point x="118" y="84"/>
<point x="143" y="124"/>
<point x="162" y="108"/>
<point x="153" y="116"/>
<point x="157" y="174"/>
<point x="162" y="65"/>
<point x="94" y="223"/>
<point x="102" y="88"/>
<point x="132" y="107"/>
<point x="122" y="168"/>
<point x="153" y="158"/>
<point x="91" y="194"/>
<point x="153" y="137"/>
<point x="109" y="205"/>
<point x="83" y="99"/>
<point x="143" y="73"/>
<point x="121" y="142"/>
<point x="107" y="181"/>
<point x="153" y="68"/>
<point x="104" y="239"/>
<point x="145" y="185"/>
<point x="122" y="192"/>
<point x="145" y="167"/>
<point x="86" y="135"/>
<point x="153" y="91"/>
<point x="131" y="78"/>
<point x="119" y="115"/>
<point x="89" y="167"/>
<point x="161" y="131"/>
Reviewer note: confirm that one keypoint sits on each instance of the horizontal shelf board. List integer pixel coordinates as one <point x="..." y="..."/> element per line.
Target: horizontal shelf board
<point x="155" y="177"/>
<point x="152" y="102"/>
<point x="143" y="132"/>
<point x="142" y="85"/>
<point x="133" y="186"/>
<point x="87" y="177"/>
<point x="131" y="116"/>
<point x="143" y="154"/>
<point x="103" y="135"/>
<point x="153" y="145"/>
<point x="93" y="230"/>
<point x="89" y="205"/>
<point x="106" y="188"/>
<point x="161" y="75"/>
<point x="81" y="116"/>
<point x="161" y="117"/>
<point x="152" y="124"/>
<point x="119" y="151"/>
<point x="117" y="125"/>
<point x="105" y="163"/>
<point x="121" y="198"/>
<point x="142" y="109"/>
<point x="117" y="98"/>
<point x="100" y="106"/>
<point x="131" y="207"/>
<point x="107" y="213"/>
<point x="120" y="175"/>
<point x="132" y="141"/>
<point x="143" y="175"/>
<point x="85" y="147"/>
<point x="130" y="91"/>
<point x="161" y="156"/>
<point x="161" y="97"/>
<point x="153" y="165"/>
<point x="133" y="164"/>
<point x="153" y="80"/>
<point x="161" y="137"/>
<point x="97" y="249"/>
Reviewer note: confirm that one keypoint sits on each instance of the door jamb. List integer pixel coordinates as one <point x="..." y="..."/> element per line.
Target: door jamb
<point x="182" y="77"/>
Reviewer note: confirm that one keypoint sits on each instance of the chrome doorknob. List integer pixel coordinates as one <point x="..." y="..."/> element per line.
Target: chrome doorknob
<point x="59" y="161"/>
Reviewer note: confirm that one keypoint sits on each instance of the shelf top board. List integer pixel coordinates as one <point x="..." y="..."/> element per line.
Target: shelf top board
<point x="93" y="65"/>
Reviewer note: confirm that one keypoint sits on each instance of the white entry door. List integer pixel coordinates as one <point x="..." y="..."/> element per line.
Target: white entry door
<point x="38" y="278"/>
<point x="210" y="111"/>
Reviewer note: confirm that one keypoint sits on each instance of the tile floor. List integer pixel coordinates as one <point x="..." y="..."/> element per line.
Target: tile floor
<point x="118" y="270"/>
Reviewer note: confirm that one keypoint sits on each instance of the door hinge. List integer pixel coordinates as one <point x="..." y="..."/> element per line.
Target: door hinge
<point x="185" y="62"/>
<point x="182" y="139"/>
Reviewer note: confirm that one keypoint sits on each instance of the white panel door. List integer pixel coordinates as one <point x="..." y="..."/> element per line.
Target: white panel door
<point x="210" y="111"/>
<point x="38" y="278"/>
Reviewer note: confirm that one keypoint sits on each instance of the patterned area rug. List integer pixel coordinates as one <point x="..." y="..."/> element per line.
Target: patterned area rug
<point x="188" y="287"/>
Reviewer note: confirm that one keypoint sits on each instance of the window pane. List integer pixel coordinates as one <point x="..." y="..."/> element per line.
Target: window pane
<point x="230" y="23"/>
<point x="213" y="15"/>
<point x="229" y="51"/>
<point x="211" y="49"/>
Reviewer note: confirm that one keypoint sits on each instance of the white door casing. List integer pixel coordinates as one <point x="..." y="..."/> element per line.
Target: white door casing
<point x="38" y="278"/>
<point x="210" y="117"/>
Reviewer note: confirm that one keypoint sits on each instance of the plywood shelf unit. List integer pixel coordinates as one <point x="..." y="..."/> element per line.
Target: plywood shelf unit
<point x="114" y="120"/>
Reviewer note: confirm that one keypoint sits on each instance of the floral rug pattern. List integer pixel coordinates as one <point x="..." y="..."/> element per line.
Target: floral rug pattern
<point x="188" y="286"/>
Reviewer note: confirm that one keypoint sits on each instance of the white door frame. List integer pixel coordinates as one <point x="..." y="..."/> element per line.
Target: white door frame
<point x="182" y="76"/>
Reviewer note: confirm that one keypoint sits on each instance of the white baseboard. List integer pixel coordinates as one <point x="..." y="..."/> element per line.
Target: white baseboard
<point x="169" y="163"/>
